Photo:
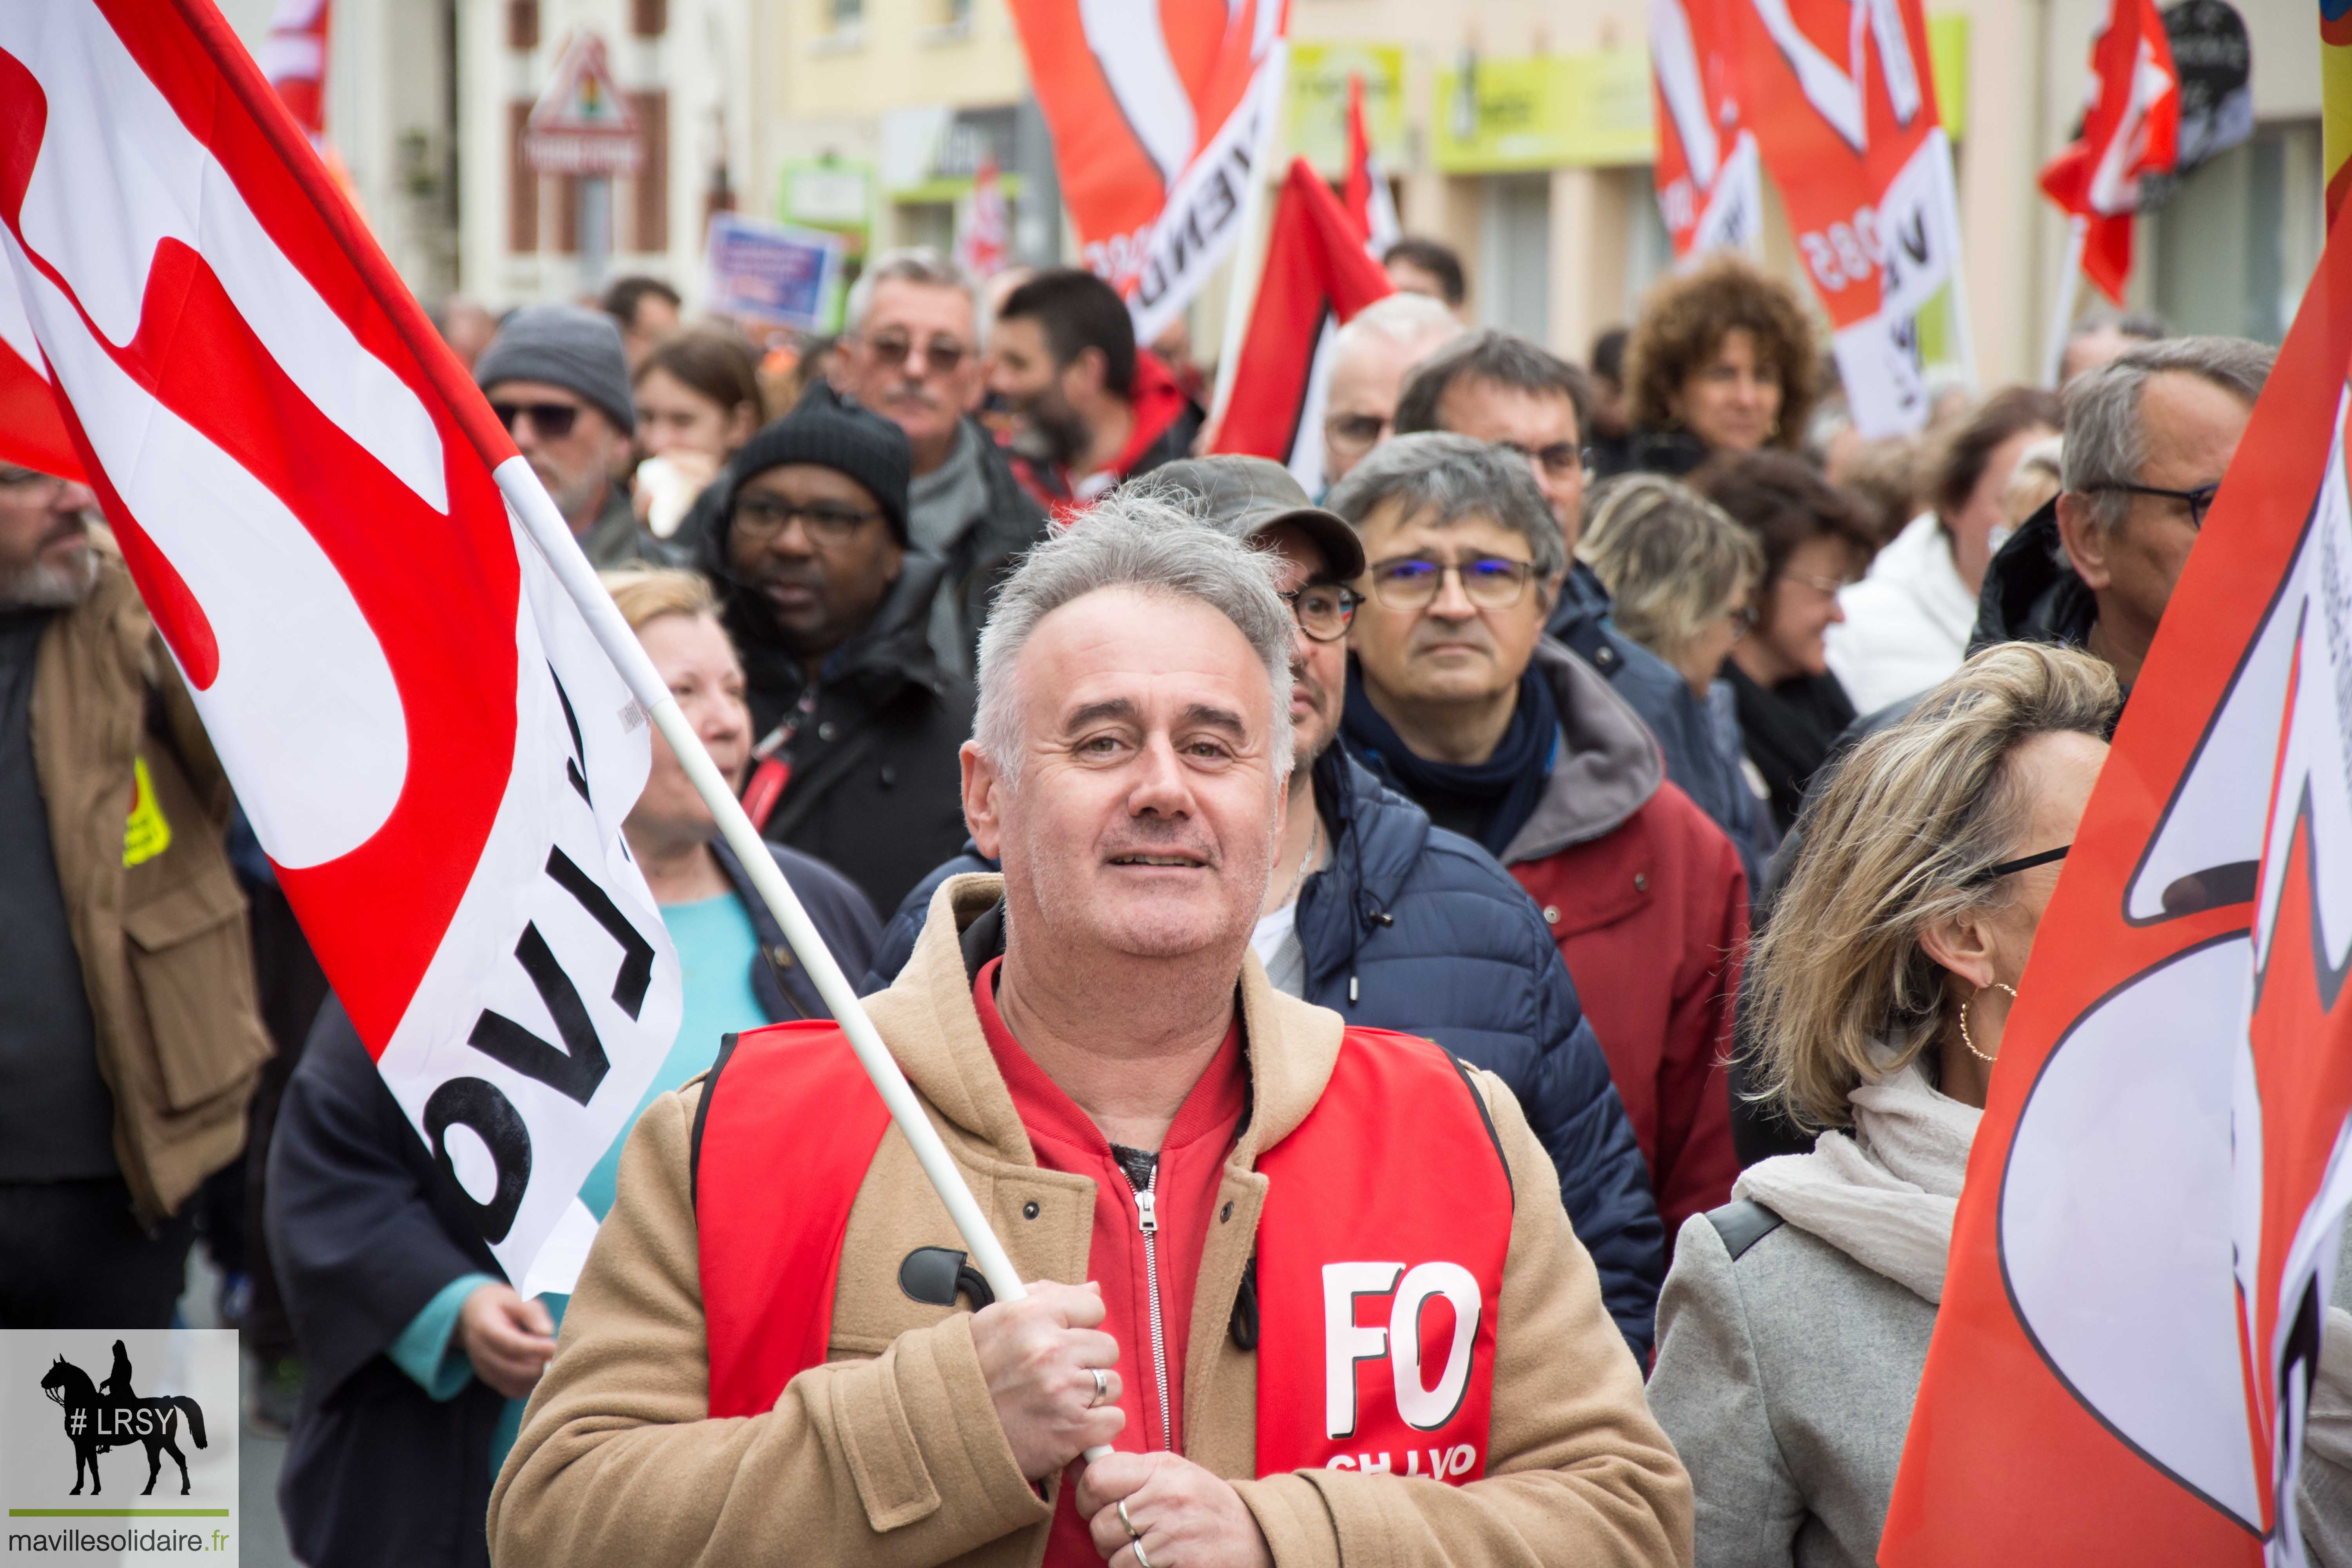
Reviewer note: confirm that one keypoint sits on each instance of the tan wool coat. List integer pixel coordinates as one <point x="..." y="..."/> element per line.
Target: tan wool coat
<point x="158" y="920"/>
<point x="891" y="1454"/>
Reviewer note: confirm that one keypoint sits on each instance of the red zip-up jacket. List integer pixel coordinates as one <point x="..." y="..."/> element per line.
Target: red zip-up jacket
<point x="1183" y="1191"/>
<point x="1648" y="903"/>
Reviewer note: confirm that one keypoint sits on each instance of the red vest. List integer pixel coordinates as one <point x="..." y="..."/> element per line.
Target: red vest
<point x="1380" y="1249"/>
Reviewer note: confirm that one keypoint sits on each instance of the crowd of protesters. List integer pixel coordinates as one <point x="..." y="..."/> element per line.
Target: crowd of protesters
<point x="1690" y="769"/>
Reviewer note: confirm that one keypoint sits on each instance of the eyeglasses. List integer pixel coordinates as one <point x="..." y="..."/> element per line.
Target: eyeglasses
<point x="2198" y="500"/>
<point x="2047" y="856"/>
<point x="941" y="354"/>
<point x="1323" y="609"/>
<point x="1560" y="459"/>
<point x="1744" y="620"/>
<point x="763" y="516"/>
<point x="1412" y="582"/>
<point x="551" y="420"/>
<point x="1355" y="433"/>
<point x="1829" y="585"/>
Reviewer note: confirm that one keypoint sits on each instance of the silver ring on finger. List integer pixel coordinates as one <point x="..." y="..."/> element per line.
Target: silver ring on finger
<point x="1102" y="1387"/>
<point x="1133" y="1533"/>
<point x="1135" y="1546"/>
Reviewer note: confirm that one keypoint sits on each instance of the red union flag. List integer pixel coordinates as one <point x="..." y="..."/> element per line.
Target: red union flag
<point x="1318" y="276"/>
<point x="2131" y="126"/>
<point x="1161" y="116"/>
<point x="1843" y="107"/>
<point x="2124" y="1360"/>
<point x="433" y="749"/>
<point x="1710" y="191"/>
<point x="32" y="433"/>
<point x="294" y="58"/>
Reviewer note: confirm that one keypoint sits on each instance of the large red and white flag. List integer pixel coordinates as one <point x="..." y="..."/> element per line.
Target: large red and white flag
<point x="1710" y="185"/>
<point x="1839" y="97"/>
<point x="1318" y="276"/>
<point x="2124" y="1360"/>
<point x="434" y="750"/>
<point x="1366" y="191"/>
<point x="2131" y="127"/>
<point x="1161" y="116"/>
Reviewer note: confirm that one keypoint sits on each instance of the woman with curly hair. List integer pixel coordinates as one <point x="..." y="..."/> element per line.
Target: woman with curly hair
<point x="1721" y="360"/>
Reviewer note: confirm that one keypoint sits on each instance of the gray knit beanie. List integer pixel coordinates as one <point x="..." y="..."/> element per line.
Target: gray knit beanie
<point x="565" y="346"/>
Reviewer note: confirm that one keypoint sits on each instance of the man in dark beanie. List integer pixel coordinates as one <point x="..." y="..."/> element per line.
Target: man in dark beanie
<point x="557" y="380"/>
<point x="831" y="610"/>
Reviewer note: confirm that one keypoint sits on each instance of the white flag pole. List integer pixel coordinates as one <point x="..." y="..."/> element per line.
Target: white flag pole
<point x="1241" y="297"/>
<point x="547" y="528"/>
<point x="2070" y="285"/>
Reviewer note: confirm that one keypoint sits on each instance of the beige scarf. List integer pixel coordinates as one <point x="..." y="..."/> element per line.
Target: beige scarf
<point x="1883" y="1194"/>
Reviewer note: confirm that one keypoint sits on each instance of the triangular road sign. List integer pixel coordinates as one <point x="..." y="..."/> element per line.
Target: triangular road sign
<point x="582" y="123"/>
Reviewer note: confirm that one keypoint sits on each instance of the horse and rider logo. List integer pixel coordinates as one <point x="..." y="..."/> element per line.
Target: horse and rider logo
<point x="110" y="1415"/>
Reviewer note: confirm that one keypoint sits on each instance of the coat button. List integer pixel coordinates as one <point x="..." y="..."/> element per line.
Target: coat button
<point x="1641" y="881"/>
<point x="1029" y="1209"/>
<point x="1224" y="1214"/>
<point x="827" y="730"/>
<point x="889" y="775"/>
<point x="1551" y="914"/>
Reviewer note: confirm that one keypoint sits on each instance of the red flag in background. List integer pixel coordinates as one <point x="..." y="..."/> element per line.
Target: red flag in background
<point x="294" y="58"/>
<point x="1160" y="116"/>
<point x="1710" y="185"/>
<point x="2124" y="1356"/>
<point x="2131" y="126"/>
<point x="983" y="241"/>
<point x="1843" y="103"/>
<point x="1366" y="195"/>
<point x="32" y="432"/>
<point x="1317" y="278"/>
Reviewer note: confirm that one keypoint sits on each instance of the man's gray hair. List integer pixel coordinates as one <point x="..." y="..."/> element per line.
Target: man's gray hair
<point x="1138" y="541"/>
<point x="2106" y="443"/>
<point x="916" y="264"/>
<point x="1454" y="477"/>
<point x="1399" y="319"/>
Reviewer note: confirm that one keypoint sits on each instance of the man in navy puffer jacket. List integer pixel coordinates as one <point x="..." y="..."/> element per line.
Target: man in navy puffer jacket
<point x="1406" y="926"/>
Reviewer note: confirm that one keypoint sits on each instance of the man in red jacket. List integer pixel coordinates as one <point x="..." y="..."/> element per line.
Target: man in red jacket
<point x="1094" y="410"/>
<point x="1457" y="699"/>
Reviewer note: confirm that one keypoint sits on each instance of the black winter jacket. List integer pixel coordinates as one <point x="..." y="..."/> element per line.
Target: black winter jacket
<point x="982" y="556"/>
<point x="2030" y="592"/>
<point x="877" y="792"/>
<point x="1411" y="927"/>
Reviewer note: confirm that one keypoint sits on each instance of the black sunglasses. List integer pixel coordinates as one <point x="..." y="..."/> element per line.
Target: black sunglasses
<point x="553" y="420"/>
<point x="2047" y="856"/>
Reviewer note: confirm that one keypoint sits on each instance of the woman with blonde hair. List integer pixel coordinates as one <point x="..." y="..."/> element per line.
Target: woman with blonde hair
<point x="1682" y="577"/>
<point x="1795" y="1320"/>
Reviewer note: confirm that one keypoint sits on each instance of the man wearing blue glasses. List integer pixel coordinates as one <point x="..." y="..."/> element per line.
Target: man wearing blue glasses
<point x="1459" y="702"/>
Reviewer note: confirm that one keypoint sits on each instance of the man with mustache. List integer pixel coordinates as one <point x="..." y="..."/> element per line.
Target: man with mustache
<point x="1235" y="1211"/>
<point x="831" y="611"/>
<point x="129" y="1042"/>
<point x="1393" y="923"/>
<point x="912" y="354"/>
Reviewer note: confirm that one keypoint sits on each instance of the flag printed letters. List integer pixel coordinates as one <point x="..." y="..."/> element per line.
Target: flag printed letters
<point x="433" y="750"/>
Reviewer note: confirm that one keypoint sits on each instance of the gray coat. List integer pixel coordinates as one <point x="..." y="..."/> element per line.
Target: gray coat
<point x="1785" y="1379"/>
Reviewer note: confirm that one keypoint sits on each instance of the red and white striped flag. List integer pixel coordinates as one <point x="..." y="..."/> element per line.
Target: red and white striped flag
<point x="314" y="501"/>
<point x="294" y="58"/>
<point x="984" y="240"/>
<point x="32" y="434"/>
<point x="1317" y="278"/>
<point x="1162" y="117"/>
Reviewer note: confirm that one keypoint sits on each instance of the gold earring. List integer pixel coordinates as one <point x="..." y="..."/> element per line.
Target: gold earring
<point x="1971" y="1044"/>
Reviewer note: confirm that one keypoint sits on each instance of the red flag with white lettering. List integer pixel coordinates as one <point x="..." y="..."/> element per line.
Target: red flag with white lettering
<point x="1317" y="278"/>
<point x="2125" y="1356"/>
<point x="1366" y="195"/>
<point x="433" y="749"/>
<point x="1710" y="189"/>
<point x="1843" y="107"/>
<point x="1161" y="116"/>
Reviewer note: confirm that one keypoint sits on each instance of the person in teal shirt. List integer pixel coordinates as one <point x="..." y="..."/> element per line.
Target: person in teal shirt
<point x="737" y="973"/>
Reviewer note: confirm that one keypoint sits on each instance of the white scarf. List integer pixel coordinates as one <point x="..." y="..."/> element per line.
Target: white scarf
<point x="1885" y="1196"/>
